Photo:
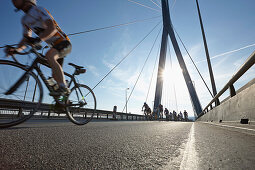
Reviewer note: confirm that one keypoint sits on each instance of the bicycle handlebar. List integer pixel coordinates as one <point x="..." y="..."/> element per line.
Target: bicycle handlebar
<point x="32" y="50"/>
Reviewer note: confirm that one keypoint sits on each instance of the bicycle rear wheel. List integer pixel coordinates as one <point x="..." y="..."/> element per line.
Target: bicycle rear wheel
<point x="81" y="105"/>
<point x="24" y="101"/>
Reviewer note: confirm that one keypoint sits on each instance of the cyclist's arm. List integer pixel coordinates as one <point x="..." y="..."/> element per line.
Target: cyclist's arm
<point x="22" y="44"/>
<point x="49" y="31"/>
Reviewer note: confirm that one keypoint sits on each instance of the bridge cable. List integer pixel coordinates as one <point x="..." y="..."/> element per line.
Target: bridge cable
<point x="113" y="26"/>
<point x="194" y="63"/>
<point x="156" y="4"/>
<point x="103" y="28"/>
<point x="171" y="65"/>
<point x="126" y="56"/>
<point x="144" y="5"/>
<point x="229" y="52"/>
<point x="157" y="56"/>
<point x="173" y="5"/>
<point x="142" y="69"/>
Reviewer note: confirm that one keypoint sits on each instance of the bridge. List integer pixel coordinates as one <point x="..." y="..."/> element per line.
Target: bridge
<point x="221" y="135"/>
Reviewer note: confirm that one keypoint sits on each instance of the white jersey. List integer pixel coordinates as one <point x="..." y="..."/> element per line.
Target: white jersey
<point x="34" y="20"/>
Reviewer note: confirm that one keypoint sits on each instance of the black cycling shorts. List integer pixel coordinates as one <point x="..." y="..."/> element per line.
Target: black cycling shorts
<point x="64" y="48"/>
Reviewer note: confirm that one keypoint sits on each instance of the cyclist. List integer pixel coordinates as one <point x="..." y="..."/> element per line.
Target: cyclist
<point x="145" y="108"/>
<point x="40" y="21"/>
<point x="185" y="115"/>
<point x="161" y="109"/>
<point x="166" y="111"/>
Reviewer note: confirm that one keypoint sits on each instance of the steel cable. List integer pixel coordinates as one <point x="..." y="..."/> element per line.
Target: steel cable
<point x="113" y="26"/>
<point x="103" y="28"/>
<point x="126" y="56"/>
<point x="171" y="66"/>
<point x="144" y="5"/>
<point x="152" y="73"/>
<point x="141" y="70"/>
<point x="156" y="4"/>
<point x="193" y="63"/>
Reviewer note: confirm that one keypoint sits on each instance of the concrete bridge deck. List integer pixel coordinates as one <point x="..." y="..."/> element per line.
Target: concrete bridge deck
<point x="127" y="145"/>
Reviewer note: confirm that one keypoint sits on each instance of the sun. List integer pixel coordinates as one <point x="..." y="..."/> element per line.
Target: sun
<point x="172" y="75"/>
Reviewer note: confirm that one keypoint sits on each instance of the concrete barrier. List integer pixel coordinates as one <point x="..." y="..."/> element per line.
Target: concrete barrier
<point x="240" y="106"/>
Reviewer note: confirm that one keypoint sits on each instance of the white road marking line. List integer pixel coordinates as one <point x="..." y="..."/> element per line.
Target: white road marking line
<point x="231" y="126"/>
<point x="190" y="158"/>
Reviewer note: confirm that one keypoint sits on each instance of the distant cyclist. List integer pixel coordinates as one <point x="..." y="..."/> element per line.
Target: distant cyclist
<point x="41" y="22"/>
<point x="166" y="111"/>
<point x="145" y="108"/>
<point x="185" y="115"/>
<point x="161" y="109"/>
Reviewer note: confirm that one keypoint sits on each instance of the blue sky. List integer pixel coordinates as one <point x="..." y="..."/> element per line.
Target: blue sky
<point x="229" y="25"/>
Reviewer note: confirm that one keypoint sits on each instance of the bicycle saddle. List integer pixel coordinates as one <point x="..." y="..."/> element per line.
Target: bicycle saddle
<point x="75" y="66"/>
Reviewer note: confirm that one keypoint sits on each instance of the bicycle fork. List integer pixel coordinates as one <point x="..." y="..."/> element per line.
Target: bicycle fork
<point x="22" y="79"/>
<point x="17" y="84"/>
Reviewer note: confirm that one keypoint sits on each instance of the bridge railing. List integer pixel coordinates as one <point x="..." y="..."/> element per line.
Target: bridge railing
<point x="8" y="106"/>
<point x="230" y="85"/>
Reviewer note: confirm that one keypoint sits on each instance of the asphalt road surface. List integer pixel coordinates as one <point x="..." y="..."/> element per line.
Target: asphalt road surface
<point x="127" y="145"/>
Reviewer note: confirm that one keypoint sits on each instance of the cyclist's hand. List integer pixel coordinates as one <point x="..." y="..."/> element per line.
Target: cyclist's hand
<point x="9" y="51"/>
<point x="33" y="41"/>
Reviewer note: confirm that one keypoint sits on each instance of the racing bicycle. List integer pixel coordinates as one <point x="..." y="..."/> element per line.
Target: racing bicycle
<point x="21" y="92"/>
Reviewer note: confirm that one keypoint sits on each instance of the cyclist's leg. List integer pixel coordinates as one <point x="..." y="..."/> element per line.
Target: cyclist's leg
<point x="55" y="57"/>
<point x="57" y="72"/>
<point x="61" y="61"/>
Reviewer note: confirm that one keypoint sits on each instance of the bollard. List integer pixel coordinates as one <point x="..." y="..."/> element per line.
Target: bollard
<point x="49" y="114"/>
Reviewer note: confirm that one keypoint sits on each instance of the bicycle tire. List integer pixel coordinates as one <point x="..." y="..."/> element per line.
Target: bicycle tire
<point x="26" y="109"/>
<point x="81" y="113"/>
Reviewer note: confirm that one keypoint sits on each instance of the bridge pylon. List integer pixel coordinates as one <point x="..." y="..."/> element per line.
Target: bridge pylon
<point x="168" y="31"/>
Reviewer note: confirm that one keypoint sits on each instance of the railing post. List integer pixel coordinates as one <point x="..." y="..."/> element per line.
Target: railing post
<point x="232" y="90"/>
<point x="211" y="107"/>
<point x="217" y="102"/>
<point x="127" y="117"/>
<point x="107" y="115"/>
<point x="48" y="114"/>
<point x="97" y="115"/>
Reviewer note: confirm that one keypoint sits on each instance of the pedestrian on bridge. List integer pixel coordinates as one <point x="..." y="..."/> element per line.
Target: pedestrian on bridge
<point x="114" y="112"/>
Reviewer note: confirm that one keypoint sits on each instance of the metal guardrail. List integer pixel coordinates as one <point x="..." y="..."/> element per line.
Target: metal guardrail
<point x="17" y="104"/>
<point x="230" y="85"/>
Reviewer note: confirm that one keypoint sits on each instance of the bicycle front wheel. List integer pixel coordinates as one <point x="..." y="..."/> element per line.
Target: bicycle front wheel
<point x="81" y="104"/>
<point x="24" y="101"/>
